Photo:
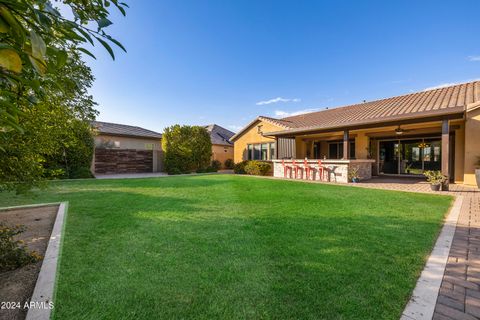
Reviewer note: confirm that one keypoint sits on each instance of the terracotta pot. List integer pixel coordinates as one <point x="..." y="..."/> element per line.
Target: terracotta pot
<point x="435" y="187"/>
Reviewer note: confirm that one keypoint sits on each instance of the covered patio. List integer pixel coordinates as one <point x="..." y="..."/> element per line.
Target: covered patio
<point x="401" y="148"/>
<point x="400" y="136"/>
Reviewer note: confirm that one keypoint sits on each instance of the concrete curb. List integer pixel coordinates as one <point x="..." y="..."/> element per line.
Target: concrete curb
<point x="48" y="204"/>
<point x="44" y="291"/>
<point x="424" y="297"/>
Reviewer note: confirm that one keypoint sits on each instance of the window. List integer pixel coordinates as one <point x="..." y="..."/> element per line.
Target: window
<point x="264" y="151"/>
<point x="272" y="151"/>
<point x="116" y="144"/>
<point x="335" y="150"/>
<point x="256" y="152"/>
<point x="261" y="151"/>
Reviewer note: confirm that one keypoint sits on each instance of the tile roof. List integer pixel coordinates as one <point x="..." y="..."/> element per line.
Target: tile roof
<point x="219" y="135"/>
<point x="435" y="102"/>
<point x="124" y="130"/>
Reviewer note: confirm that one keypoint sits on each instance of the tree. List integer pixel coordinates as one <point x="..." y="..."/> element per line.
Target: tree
<point x="56" y="133"/>
<point x="36" y="41"/>
<point x="187" y="149"/>
<point x="44" y="105"/>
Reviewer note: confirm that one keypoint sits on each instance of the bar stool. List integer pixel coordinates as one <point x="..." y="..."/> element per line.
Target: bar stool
<point x="286" y="168"/>
<point x="308" y="170"/>
<point x="297" y="167"/>
<point x="321" y="170"/>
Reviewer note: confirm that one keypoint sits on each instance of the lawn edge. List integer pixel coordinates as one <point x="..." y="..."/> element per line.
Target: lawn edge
<point x="44" y="291"/>
<point x="421" y="305"/>
<point x="344" y="185"/>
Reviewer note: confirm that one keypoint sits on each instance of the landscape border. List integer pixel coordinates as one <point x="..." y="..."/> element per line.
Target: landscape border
<point x="424" y="297"/>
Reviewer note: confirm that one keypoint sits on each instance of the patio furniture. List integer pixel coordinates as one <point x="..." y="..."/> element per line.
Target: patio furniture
<point x="286" y="168"/>
<point x="297" y="168"/>
<point x="321" y="170"/>
<point x="309" y="170"/>
<point x="331" y="170"/>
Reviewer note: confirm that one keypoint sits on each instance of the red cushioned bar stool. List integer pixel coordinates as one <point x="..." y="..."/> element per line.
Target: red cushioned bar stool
<point x="309" y="170"/>
<point x="321" y="170"/>
<point x="286" y="169"/>
<point x="297" y="168"/>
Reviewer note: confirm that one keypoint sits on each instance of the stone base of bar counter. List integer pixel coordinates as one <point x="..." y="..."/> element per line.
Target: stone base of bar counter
<point x="334" y="170"/>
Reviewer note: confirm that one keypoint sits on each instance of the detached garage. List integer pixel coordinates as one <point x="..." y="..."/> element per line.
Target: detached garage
<point x="121" y="148"/>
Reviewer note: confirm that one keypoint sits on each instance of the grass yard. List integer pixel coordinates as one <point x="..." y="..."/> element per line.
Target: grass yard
<point x="229" y="247"/>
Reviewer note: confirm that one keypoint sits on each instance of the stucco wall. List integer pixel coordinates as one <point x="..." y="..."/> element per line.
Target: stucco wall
<point x="222" y="153"/>
<point x="472" y="145"/>
<point x="251" y="135"/>
<point x="126" y="142"/>
<point x="361" y="145"/>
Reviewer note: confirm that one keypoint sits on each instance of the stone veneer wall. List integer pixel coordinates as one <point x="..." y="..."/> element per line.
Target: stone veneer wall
<point x="335" y="172"/>
<point x="111" y="161"/>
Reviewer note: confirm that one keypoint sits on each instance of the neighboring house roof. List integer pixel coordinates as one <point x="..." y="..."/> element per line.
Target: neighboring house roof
<point x="429" y="103"/>
<point x="116" y="129"/>
<point x="219" y="135"/>
<point x="277" y="122"/>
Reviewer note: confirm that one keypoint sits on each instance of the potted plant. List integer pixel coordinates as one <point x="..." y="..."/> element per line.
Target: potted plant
<point x="353" y="175"/>
<point x="435" y="178"/>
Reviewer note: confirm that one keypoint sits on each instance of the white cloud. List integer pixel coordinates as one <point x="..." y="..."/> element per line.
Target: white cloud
<point x="283" y="114"/>
<point x="448" y="84"/>
<point x="473" y="58"/>
<point x="442" y="85"/>
<point x="234" y="128"/>
<point x="276" y="100"/>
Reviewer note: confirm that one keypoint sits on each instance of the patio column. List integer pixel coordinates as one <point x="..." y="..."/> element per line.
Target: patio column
<point x="346" y="145"/>
<point x="445" y="147"/>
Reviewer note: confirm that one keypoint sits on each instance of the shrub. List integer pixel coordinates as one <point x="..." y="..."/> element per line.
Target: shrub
<point x="187" y="149"/>
<point x="74" y="158"/>
<point x="13" y="253"/>
<point x="229" y="164"/>
<point x="174" y="171"/>
<point x="257" y="168"/>
<point x="211" y="169"/>
<point x="80" y="173"/>
<point x="216" y="165"/>
<point x="239" y="168"/>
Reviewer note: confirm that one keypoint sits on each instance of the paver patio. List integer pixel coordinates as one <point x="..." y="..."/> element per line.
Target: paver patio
<point x="459" y="296"/>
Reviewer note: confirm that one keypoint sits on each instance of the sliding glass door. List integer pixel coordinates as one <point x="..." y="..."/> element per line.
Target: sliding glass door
<point x="410" y="156"/>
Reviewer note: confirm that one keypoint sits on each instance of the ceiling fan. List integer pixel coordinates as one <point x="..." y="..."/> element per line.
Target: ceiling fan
<point x="399" y="131"/>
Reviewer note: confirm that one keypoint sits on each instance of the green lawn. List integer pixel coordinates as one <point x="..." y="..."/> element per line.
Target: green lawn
<point x="229" y="247"/>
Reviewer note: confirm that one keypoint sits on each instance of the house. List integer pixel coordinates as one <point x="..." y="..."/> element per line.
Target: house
<point x="122" y="148"/>
<point x="435" y="129"/>
<point x="222" y="147"/>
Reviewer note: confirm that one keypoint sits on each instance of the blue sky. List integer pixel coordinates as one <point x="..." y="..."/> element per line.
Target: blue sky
<point x="226" y="62"/>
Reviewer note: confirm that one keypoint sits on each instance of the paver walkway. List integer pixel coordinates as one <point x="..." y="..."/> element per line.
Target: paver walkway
<point x="459" y="296"/>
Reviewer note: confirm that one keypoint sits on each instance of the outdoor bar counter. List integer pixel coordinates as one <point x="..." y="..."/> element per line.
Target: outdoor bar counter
<point x="334" y="170"/>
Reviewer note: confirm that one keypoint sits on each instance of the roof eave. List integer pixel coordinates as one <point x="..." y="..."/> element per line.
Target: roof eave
<point x="259" y="118"/>
<point x="386" y="122"/>
<point x="127" y="135"/>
